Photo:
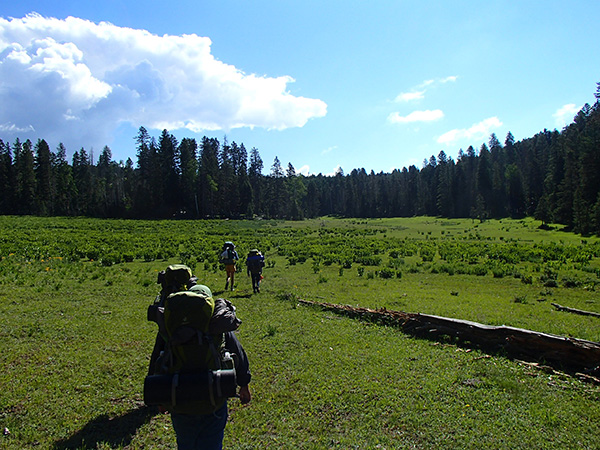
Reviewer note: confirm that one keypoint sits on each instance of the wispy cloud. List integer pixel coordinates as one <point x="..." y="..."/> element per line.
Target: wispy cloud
<point x="329" y="150"/>
<point x="410" y="96"/>
<point x="418" y="92"/>
<point x="478" y="131"/>
<point x="56" y="75"/>
<point x="416" y="116"/>
<point x="450" y="79"/>
<point x="564" y="115"/>
<point x="12" y="128"/>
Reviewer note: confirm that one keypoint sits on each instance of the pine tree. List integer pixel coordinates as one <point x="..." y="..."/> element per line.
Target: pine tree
<point x="228" y="198"/>
<point x="168" y="159"/>
<point x="484" y="184"/>
<point x="147" y="176"/>
<point x="66" y="192"/>
<point x="275" y="199"/>
<point x="296" y="191"/>
<point x="312" y="208"/>
<point x="189" y="174"/>
<point x="255" y="178"/>
<point x="45" y="186"/>
<point x="7" y="181"/>
<point x="208" y="176"/>
<point x="514" y="191"/>
<point x="243" y="180"/>
<point x="445" y="188"/>
<point x="82" y="177"/>
<point x="109" y="191"/>
<point x="25" y="188"/>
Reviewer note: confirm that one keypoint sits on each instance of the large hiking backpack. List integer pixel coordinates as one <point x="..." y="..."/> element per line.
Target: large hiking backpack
<point x="255" y="261"/>
<point x="228" y="255"/>
<point x="194" y="374"/>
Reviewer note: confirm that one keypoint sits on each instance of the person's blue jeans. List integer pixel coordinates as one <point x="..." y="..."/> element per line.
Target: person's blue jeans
<point x="201" y="431"/>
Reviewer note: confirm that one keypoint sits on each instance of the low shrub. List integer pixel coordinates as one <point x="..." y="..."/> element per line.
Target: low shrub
<point x="386" y="273"/>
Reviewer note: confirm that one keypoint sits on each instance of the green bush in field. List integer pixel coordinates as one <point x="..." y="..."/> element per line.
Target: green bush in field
<point x="386" y="273"/>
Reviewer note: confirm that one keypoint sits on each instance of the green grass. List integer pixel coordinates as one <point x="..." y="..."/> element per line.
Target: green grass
<point x="331" y="382"/>
<point x="76" y="343"/>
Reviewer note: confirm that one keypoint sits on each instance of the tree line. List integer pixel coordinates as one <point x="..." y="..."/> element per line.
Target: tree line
<point x="553" y="176"/>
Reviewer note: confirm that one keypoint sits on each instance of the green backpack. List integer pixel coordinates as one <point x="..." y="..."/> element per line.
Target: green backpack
<point x="195" y="374"/>
<point x="187" y="319"/>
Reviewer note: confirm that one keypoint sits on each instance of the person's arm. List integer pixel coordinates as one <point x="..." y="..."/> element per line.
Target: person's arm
<point x="245" y="395"/>
<point x="159" y="345"/>
<point x="242" y="367"/>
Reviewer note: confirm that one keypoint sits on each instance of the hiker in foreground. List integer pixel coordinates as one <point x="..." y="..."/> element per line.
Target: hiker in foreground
<point x="254" y="266"/>
<point x="229" y="257"/>
<point x="201" y="363"/>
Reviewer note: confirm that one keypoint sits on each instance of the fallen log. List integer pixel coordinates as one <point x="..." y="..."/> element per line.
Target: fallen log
<point x="575" y="311"/>
<point x="563" y="353"/>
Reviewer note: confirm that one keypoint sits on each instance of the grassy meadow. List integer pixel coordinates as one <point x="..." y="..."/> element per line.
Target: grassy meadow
<point x="76" y="343"/>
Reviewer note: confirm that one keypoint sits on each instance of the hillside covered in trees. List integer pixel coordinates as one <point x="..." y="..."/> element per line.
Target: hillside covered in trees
<point x="553" y="176"/>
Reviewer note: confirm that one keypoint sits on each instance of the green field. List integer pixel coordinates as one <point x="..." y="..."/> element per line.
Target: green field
<point x="76" y="343"/>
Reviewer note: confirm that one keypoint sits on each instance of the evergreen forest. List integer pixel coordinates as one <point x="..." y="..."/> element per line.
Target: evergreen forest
<point x="553" y="176"/>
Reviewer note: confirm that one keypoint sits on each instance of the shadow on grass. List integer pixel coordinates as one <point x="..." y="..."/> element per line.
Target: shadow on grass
<point x="230" y="294"/>
<point x="114" y="431"/>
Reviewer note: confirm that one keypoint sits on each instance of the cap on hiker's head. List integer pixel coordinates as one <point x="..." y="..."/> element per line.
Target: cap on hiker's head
<point x="201" y="289"/>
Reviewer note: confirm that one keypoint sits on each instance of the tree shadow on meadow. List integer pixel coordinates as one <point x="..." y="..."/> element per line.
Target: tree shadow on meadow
<point x="229" y="294"/>
<point x="114" y="431"/>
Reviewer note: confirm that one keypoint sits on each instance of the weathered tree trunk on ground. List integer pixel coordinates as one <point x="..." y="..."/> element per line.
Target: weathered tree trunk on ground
<point x="575" y="311"/>
<point x="563" y="353"/>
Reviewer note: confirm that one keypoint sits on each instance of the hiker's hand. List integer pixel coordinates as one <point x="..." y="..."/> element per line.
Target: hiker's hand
<point x="245" y="396"/>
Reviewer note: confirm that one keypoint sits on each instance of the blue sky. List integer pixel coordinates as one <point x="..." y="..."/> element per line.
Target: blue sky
<point x="319" y="84"/>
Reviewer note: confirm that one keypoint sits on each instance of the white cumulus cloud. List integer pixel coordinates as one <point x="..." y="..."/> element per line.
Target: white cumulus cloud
<point x="478" y="131"/>
<point x="416" y="116"/>
<point x="75" y="81"/>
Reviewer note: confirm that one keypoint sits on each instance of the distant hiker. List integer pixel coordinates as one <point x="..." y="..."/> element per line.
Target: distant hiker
<point x="229" y="257"/>
<point x="254" y="266"/>
<point x="201" y="364"/>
